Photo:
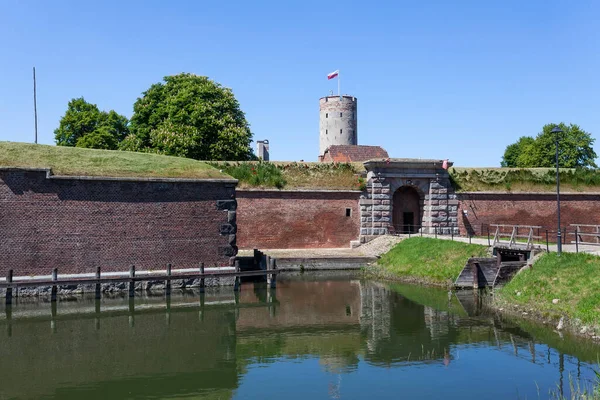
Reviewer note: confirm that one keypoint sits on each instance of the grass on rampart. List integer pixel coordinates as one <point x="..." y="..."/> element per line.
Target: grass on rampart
<point x="429" y="260"/>
<point x="573" y="279"/>
<point x="75" y="161"/>
<point x="295" y="175"/>
<point x="524" y="179"/>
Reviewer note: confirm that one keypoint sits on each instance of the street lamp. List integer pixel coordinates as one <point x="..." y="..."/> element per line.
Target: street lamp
<point x="556" y="130"/>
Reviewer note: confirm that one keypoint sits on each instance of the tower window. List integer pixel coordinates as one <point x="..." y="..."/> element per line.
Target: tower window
<point x="326" y="131"/>
<point x="348" y="212"/>
<point x="326" y="115"/>
<point x="340" y="115"/>
<point x="340" y="131"/>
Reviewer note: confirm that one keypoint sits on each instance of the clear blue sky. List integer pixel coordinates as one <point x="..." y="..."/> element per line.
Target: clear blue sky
<point x="434" y="79"/>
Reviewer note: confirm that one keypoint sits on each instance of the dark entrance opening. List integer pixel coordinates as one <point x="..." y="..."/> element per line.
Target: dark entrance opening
<point x="408" y="219"/>
<point x="406" y="211"/>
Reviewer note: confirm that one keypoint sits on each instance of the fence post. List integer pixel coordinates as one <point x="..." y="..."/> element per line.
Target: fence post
<point x="9" y="290"/>
<point x="131" y="282"/>
<point x="577" y="240"/>
<point x="547" y="245"/>
<point x="54" y="287"/>
<point x="202" y="279"/>
<point x="98" y="287"/>
<point x="488" y="234"/>
<point x="435" y="230"/>
<point x="452" y="233"/>
<point x="168" y="281"/>
<point x="236" y="282"/>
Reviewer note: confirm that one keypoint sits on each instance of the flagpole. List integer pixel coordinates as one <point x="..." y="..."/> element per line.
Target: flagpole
<point x="339" y="93"/>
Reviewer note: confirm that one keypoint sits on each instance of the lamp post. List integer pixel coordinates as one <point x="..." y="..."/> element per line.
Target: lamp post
<point x="556" y="130"/>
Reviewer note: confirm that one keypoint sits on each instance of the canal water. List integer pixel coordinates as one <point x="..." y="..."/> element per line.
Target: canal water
<point x="314" y="337"/>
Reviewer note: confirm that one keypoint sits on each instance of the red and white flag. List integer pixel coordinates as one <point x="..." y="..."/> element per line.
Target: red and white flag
<point x="333" y="74"/>
<point x="445" y="164"/>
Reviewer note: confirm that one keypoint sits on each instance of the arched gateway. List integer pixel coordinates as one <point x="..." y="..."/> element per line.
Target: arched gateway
<point x="406" y="210"/>
<point x="407" y="196"/>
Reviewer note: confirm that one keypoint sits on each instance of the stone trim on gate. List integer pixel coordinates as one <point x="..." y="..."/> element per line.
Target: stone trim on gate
<point x="438" y="201"/>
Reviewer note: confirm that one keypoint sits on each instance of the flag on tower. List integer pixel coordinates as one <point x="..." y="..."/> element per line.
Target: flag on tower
<point x="333" y="74"/>
<point x="445" y="164"/>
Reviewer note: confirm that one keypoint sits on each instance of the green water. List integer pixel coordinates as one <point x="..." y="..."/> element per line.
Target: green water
<point x="321" y="338"/>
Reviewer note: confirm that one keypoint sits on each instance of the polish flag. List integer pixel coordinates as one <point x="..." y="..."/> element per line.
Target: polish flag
<point x="445" y="164"/>
<point x="333" y="74"/>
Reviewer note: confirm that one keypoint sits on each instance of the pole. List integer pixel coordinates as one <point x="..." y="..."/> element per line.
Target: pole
<point x="35" y="105"/>
<point x="339" y="93"/>
<point x="558" y="235"/>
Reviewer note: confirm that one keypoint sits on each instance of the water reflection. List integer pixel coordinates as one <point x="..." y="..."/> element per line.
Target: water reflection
<point x="329" y="338"/>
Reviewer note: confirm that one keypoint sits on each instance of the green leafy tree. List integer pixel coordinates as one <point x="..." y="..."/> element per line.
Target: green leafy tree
<point x="513" y="151"/>
<point x="190" y="116"/>
<point x="84" y="125"/>
<point x="575" y="149"/>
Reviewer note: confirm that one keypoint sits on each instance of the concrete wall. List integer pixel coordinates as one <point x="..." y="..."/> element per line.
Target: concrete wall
<point x="331" y="122"/>
<point x="271" y="219"/>
<point x="525" y="209"/>
<point x="78" y="224"/>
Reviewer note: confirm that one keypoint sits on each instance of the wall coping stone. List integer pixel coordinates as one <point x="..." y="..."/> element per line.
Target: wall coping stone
<point x="49" y="175"/>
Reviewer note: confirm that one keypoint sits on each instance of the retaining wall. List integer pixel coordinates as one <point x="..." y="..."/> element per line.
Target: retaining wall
<point x="276" y="219"/>
<point x="76" y="224"/>
<point x="525" y="209"/>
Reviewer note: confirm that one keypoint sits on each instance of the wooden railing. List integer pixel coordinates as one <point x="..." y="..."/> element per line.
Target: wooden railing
<point x="589" y="232"/>
<point x="516" y="232"/>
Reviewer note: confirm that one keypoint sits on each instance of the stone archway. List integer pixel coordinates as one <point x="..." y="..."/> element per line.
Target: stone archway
<point x="406" y="210"/>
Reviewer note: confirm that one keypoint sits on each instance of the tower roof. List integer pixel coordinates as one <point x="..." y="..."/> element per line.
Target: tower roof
<point x="350" y="153"/>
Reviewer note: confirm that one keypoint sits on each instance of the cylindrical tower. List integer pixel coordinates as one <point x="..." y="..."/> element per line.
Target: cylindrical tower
<point x="337" y="123"/>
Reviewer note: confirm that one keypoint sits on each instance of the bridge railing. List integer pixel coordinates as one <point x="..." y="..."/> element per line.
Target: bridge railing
<point x="585" y="234"/>
<point x="514" y="233"/>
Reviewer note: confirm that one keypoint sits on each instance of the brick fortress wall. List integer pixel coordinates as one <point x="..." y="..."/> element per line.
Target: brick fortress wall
<point x="538" y="209"/>
<point x="78" y="224"/>
<point x="273" y="219"/>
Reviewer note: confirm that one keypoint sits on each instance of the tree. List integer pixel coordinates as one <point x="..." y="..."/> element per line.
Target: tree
<point x="190" y="116"/>
<point x="575" y="149"/>
<point x="84" y="125"/>
<point x="512" y="152"/>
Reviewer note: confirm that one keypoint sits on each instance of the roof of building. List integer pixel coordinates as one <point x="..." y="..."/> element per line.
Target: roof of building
<point x="355" y="153"/>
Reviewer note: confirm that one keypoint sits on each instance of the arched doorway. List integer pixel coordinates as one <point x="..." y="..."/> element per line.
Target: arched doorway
<point x="406" y="211"/>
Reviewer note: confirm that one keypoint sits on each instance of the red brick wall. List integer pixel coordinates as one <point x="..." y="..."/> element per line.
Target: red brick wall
<point x="296" y="220"/>
<point x="525" y="209"/>
<point x="76" y="225"/>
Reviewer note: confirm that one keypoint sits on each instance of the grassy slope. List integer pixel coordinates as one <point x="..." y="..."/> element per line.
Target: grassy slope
<point x="516" y="180"/>
<point x="433" y="260"/>
<point x="574" y="279"/>
<point x="88" y="162"/>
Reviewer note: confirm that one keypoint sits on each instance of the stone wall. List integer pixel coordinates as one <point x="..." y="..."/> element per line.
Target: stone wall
<point x="276" y="219"/>
<point x="478" y="210"/>
<point x="76" y="224"/>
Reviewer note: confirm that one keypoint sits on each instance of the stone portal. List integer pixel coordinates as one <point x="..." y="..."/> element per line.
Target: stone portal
<point x="407" y="196"/>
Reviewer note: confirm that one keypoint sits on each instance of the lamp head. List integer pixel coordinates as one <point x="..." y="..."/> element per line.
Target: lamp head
<point x="556" y="129"/>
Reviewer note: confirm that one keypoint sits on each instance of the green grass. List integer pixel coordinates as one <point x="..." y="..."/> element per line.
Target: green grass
<point x="88" y="162"/>
<point x="430" y="260"/>
<point x="572" y="278"/>
<point x="524" y="179"/>
<point x="295" y="175"/>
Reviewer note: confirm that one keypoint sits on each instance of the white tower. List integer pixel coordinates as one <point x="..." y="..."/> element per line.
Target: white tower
<point x="337" y="122"/>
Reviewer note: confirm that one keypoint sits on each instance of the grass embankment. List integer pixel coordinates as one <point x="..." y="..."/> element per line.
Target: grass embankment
<point x="295" y="175"/>
<point x="524" y="179"/>
<point x="427" y="260"/>
<point x="573" y="279"/>
<point x="75" y="161"/>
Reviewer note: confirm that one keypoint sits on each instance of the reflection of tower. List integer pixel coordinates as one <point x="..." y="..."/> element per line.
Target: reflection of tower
<point x="437" y="322"/>
<point x="337" y="122"/>
<point x="375" y="313"/>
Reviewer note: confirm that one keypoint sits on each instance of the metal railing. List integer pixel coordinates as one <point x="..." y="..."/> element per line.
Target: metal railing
<point x="527" y="232"/>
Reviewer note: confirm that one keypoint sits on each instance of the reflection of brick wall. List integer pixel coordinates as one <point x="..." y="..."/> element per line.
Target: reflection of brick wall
<point x="299" y="219"/>
<point x="526" y="209"/>
<point x="76" y="225"/>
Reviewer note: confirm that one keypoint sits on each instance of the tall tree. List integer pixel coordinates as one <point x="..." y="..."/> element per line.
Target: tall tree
<point x="190" y="116"/>
<point x="84" y="125"/>
<point x="513" y="151"/>
<point x="575" y="149"/>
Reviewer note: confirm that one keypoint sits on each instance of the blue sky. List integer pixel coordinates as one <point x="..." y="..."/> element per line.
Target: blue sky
<point x="434" y="79"/>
